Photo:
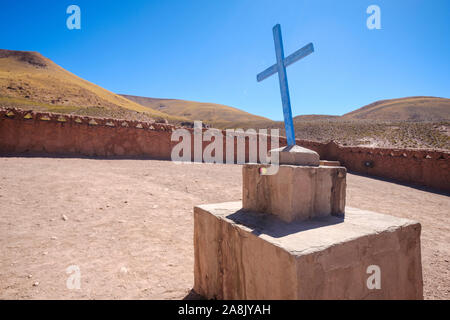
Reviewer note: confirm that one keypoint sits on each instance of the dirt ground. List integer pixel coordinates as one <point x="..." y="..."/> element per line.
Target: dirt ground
<point x="128" y="225"/>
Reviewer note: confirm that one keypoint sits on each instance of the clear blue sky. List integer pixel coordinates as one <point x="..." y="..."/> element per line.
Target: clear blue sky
<point x="211" y="51"/>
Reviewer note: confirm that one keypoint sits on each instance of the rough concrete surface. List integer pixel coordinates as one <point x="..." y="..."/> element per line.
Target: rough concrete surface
<point x="296" y="155"/>
<point x="138" y="214"/>
<point x="295" y="192"/>
<point x="245" y="255"/>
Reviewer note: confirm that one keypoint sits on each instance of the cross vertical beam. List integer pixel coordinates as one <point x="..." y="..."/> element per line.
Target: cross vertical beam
<point x="284" y="89"/>
<point x="280" y="67"/>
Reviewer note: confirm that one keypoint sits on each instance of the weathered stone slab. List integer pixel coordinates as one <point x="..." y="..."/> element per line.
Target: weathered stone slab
<point x="296" y="155"/>
<point x="295" y="192"/>
<point x="243" y="255"/>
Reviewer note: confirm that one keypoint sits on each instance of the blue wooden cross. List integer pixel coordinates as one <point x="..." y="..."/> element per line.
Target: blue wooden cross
<point x="280" y="67"/>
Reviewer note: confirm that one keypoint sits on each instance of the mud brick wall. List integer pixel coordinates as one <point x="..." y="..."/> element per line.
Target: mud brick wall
<point x="35" y="133"/>
<point x="46" y="133"/>
<point x="418" y="166"/>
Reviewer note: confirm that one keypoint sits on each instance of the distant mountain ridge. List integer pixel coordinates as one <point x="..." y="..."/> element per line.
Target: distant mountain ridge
<point x="414" y="109"/>
<point x="211" y="113"/>
<point x="404" y="109"/>
<point x="314" y="117"/>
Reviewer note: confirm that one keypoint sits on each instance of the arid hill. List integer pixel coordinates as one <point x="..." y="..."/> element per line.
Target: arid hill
<point x="29" y="80"/>
<point x="404" y="109"/>
<point x="314" y="117"/>
<point x="217" y="115"/>
<point x="412" y="122"/>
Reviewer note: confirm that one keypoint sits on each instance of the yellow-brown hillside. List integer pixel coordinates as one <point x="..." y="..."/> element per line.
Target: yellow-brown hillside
<point x="27" y="79"/>
<point x="404" y="109"/>
<point x="217" y="115"/>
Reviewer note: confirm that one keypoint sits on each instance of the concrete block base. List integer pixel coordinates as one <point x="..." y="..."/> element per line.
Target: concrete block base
<point x="295" y="192"/>
<point x="243" y="255"/>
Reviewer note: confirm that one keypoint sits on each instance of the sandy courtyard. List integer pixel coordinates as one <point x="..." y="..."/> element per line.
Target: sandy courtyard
<point x="128" y="225"/>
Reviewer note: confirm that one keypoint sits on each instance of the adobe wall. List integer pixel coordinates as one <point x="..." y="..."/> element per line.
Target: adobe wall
<point x="35" y="133"/>
<point x="46" y="133"/>
<point x="422" y="167"/>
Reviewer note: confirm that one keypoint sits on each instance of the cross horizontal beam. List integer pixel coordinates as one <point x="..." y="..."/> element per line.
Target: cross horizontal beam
<point x="297" y="55"/>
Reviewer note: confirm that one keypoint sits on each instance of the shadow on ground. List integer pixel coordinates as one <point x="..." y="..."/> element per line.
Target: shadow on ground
<point x="192" y="295"/>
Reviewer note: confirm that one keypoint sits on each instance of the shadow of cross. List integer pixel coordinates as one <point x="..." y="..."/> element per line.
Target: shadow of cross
<point x="280" y="67"/>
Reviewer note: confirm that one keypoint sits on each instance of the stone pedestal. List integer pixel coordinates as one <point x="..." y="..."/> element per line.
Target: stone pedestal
<point x="245" y="255"/>
<point x="290" y="239"/>
<point x="295" y="192"/>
